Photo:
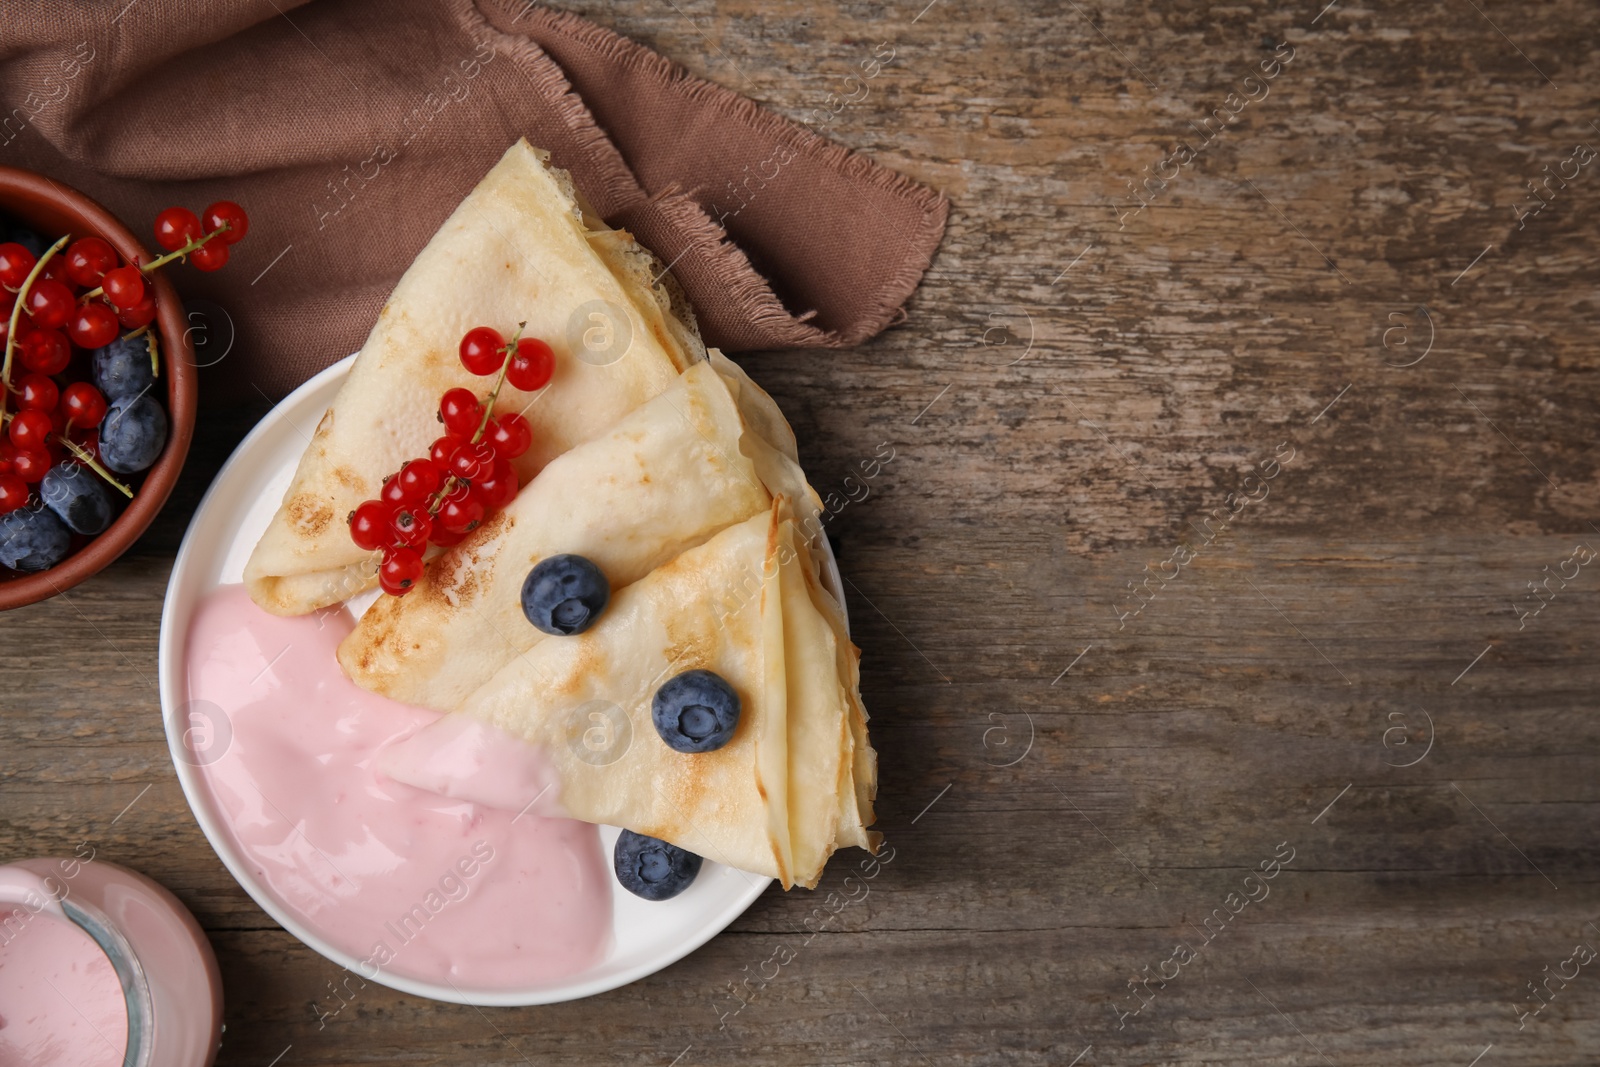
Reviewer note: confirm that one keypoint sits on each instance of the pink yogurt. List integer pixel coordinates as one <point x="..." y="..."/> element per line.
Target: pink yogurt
<point x="438" y="889"/>
<point x="100" y="966"/>
<point x="60" y="999"/>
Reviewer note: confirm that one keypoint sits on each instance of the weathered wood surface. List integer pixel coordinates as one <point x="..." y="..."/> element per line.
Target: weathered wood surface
<point x="1260" y="304"/>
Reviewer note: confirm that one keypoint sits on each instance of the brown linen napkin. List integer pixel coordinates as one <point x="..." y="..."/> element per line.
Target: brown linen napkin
<point x="350" y="130"/>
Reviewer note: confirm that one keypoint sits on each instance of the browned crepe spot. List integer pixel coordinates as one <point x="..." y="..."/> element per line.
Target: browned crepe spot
<point x="591" y="663"/>
<point x="310" y="515"/>
<point x="349" y="478"/>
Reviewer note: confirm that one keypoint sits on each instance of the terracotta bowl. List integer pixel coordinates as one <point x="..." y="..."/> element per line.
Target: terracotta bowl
<point x="54" y="209"/>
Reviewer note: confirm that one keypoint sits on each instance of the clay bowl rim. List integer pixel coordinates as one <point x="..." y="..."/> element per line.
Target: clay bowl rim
<point x="41" y="201"/>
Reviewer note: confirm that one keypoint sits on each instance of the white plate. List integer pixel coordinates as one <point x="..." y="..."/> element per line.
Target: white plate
<point x="645" y="936"/>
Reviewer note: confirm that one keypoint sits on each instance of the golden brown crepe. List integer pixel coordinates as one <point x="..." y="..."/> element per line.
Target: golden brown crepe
<point x="776" y="800"/>
<point x="519" y="248"/>
<point x="661" y="462"/>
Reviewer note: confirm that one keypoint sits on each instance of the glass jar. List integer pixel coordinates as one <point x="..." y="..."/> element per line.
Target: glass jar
<point x="77" y="932"/>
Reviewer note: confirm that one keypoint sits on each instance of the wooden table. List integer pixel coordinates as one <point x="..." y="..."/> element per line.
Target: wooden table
<point x="1204" y="555"/>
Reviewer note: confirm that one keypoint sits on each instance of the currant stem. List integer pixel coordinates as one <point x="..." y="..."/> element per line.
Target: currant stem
<point x="150" y="343"/>
<point x="16" y="316"/>
<point x="488" y="406"/>
<point x="180" y="253"/>
<point x="438" y="498"/>
<point x="500" y="379"/>
<point x="162" y="261"/>
<point x="86" y="457"/>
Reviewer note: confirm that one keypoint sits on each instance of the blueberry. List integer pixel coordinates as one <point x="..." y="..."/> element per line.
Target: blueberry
<point x="122" y="368"/>
<point x="78" y="496"/>
<point x="32" y="538"/>
<point x="695" y="712"/>
<point x="651" y="868"/>
<point x="132" y="434"/>
<point x="564" y="595"/>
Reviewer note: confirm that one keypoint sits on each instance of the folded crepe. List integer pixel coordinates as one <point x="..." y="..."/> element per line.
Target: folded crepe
<point x="709" y="451"/>
<point x="521" y="247"/>
<point x="776" y="800"/>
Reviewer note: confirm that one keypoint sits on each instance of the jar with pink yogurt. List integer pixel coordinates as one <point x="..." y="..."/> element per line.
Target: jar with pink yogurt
<point x="101" y="967"/>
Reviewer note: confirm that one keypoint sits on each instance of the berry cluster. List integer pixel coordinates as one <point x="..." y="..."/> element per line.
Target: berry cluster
<point x="81" y="393"/>
<point x="467" y="474"/>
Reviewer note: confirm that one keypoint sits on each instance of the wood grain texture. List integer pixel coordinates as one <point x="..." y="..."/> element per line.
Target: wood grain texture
<point x="1073" y="394"/>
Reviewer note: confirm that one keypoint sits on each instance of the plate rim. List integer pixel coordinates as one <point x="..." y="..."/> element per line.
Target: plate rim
<point x="169" y="660"/>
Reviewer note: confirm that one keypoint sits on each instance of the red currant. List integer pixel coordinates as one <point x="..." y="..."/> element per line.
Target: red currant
<point x="461" y="511"/>
<point x="45" y="351"/>
<point x="439" y="452"/>
<point x="213" y="255"/>
<point x="393" y="494"/>
<point x="49" y="303"/>
<point x="446" y="538"/>
<point x="419" y="478"/>
<point x="176" y="227"/>
<point x="412" y="526"/>
<point x="369" y="525"/>
<point x="15" y="263"/>
<point x="401" y="568"/>
<point x="509" y="435"/>
<point x="482" y="350"/>
<point x="13" y="493"/>
<point x="31" y="465"/>
<point x="460" y="412"/>
<point x="84" y="404"/>
<point x="532" y="366"/>
<point x="91" y="443"/>
<point x="35" y="392"/>
<point x="141" y="314"/>
<point x="88" y="258"/>
<point x="30" y="430"/>
<point x="92" y="326"/>
<point x="499" y="488"/>
<point x="471" y="461"/>
<point x="56" y="271"/>
<point x="8" y="455"/>
<point x="124" y="287"/>
<point x="226" y="211"/>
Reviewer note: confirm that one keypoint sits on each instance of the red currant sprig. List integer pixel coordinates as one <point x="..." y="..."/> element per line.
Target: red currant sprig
<point x="467" y="474"/>
<point x="181" y="233"/>
<point x="49" y="316"/>
<point x="58" y="318"/>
